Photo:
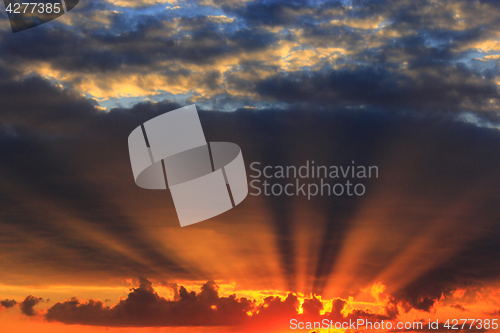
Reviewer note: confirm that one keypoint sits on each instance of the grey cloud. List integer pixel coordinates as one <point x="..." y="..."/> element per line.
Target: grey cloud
<point x="426" y="37"/>
<point x="8" y="303"/>
<point x="27" y="306"/>
<point x="447" y="89"/>
<point x="144" y="307"/>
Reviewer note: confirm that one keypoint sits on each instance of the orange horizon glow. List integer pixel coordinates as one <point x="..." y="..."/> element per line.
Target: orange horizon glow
<point x="373" y="299"/>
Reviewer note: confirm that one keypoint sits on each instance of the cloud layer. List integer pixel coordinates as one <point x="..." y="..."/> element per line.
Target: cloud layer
<point x="411" y="88"/>
<point x="143" y="307"/>
<point x="429" y="56"/>
<point x="73" y="206"/>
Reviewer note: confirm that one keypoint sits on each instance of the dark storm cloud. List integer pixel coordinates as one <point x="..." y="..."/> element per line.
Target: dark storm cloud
<point x="79" y="164"/>
<point x="27" y="306"/>
<point x="51" y="177"/>
<point x="39" y="136"/>
<point x="46" y="105"/>
<point x="198" y="40"/>
<point x="453" y="160"/>
<point x="391" y="48"/>
<point x="273" y="12"/>
<point x="8" y="303"/>
<point x="447" y="89"/>
<point x="431" y="45"/>
<point x="143" y="307"/>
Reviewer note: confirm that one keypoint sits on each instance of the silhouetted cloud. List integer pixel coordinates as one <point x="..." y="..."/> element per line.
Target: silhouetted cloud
<point x="143" y="307"/>
<point x="8" y="303"/>
<point x="447" y="89"/>
<point x="27" y="306"/>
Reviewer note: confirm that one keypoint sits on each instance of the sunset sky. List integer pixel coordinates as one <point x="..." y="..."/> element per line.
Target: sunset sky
<point x="411" y="87"/>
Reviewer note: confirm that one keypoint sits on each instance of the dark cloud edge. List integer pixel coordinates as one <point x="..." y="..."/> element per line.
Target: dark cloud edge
<point x="143" y="307"/>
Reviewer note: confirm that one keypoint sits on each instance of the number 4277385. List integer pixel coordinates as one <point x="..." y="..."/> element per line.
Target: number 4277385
<point x="34" y="8"/>
<point x="456" y="324"/>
